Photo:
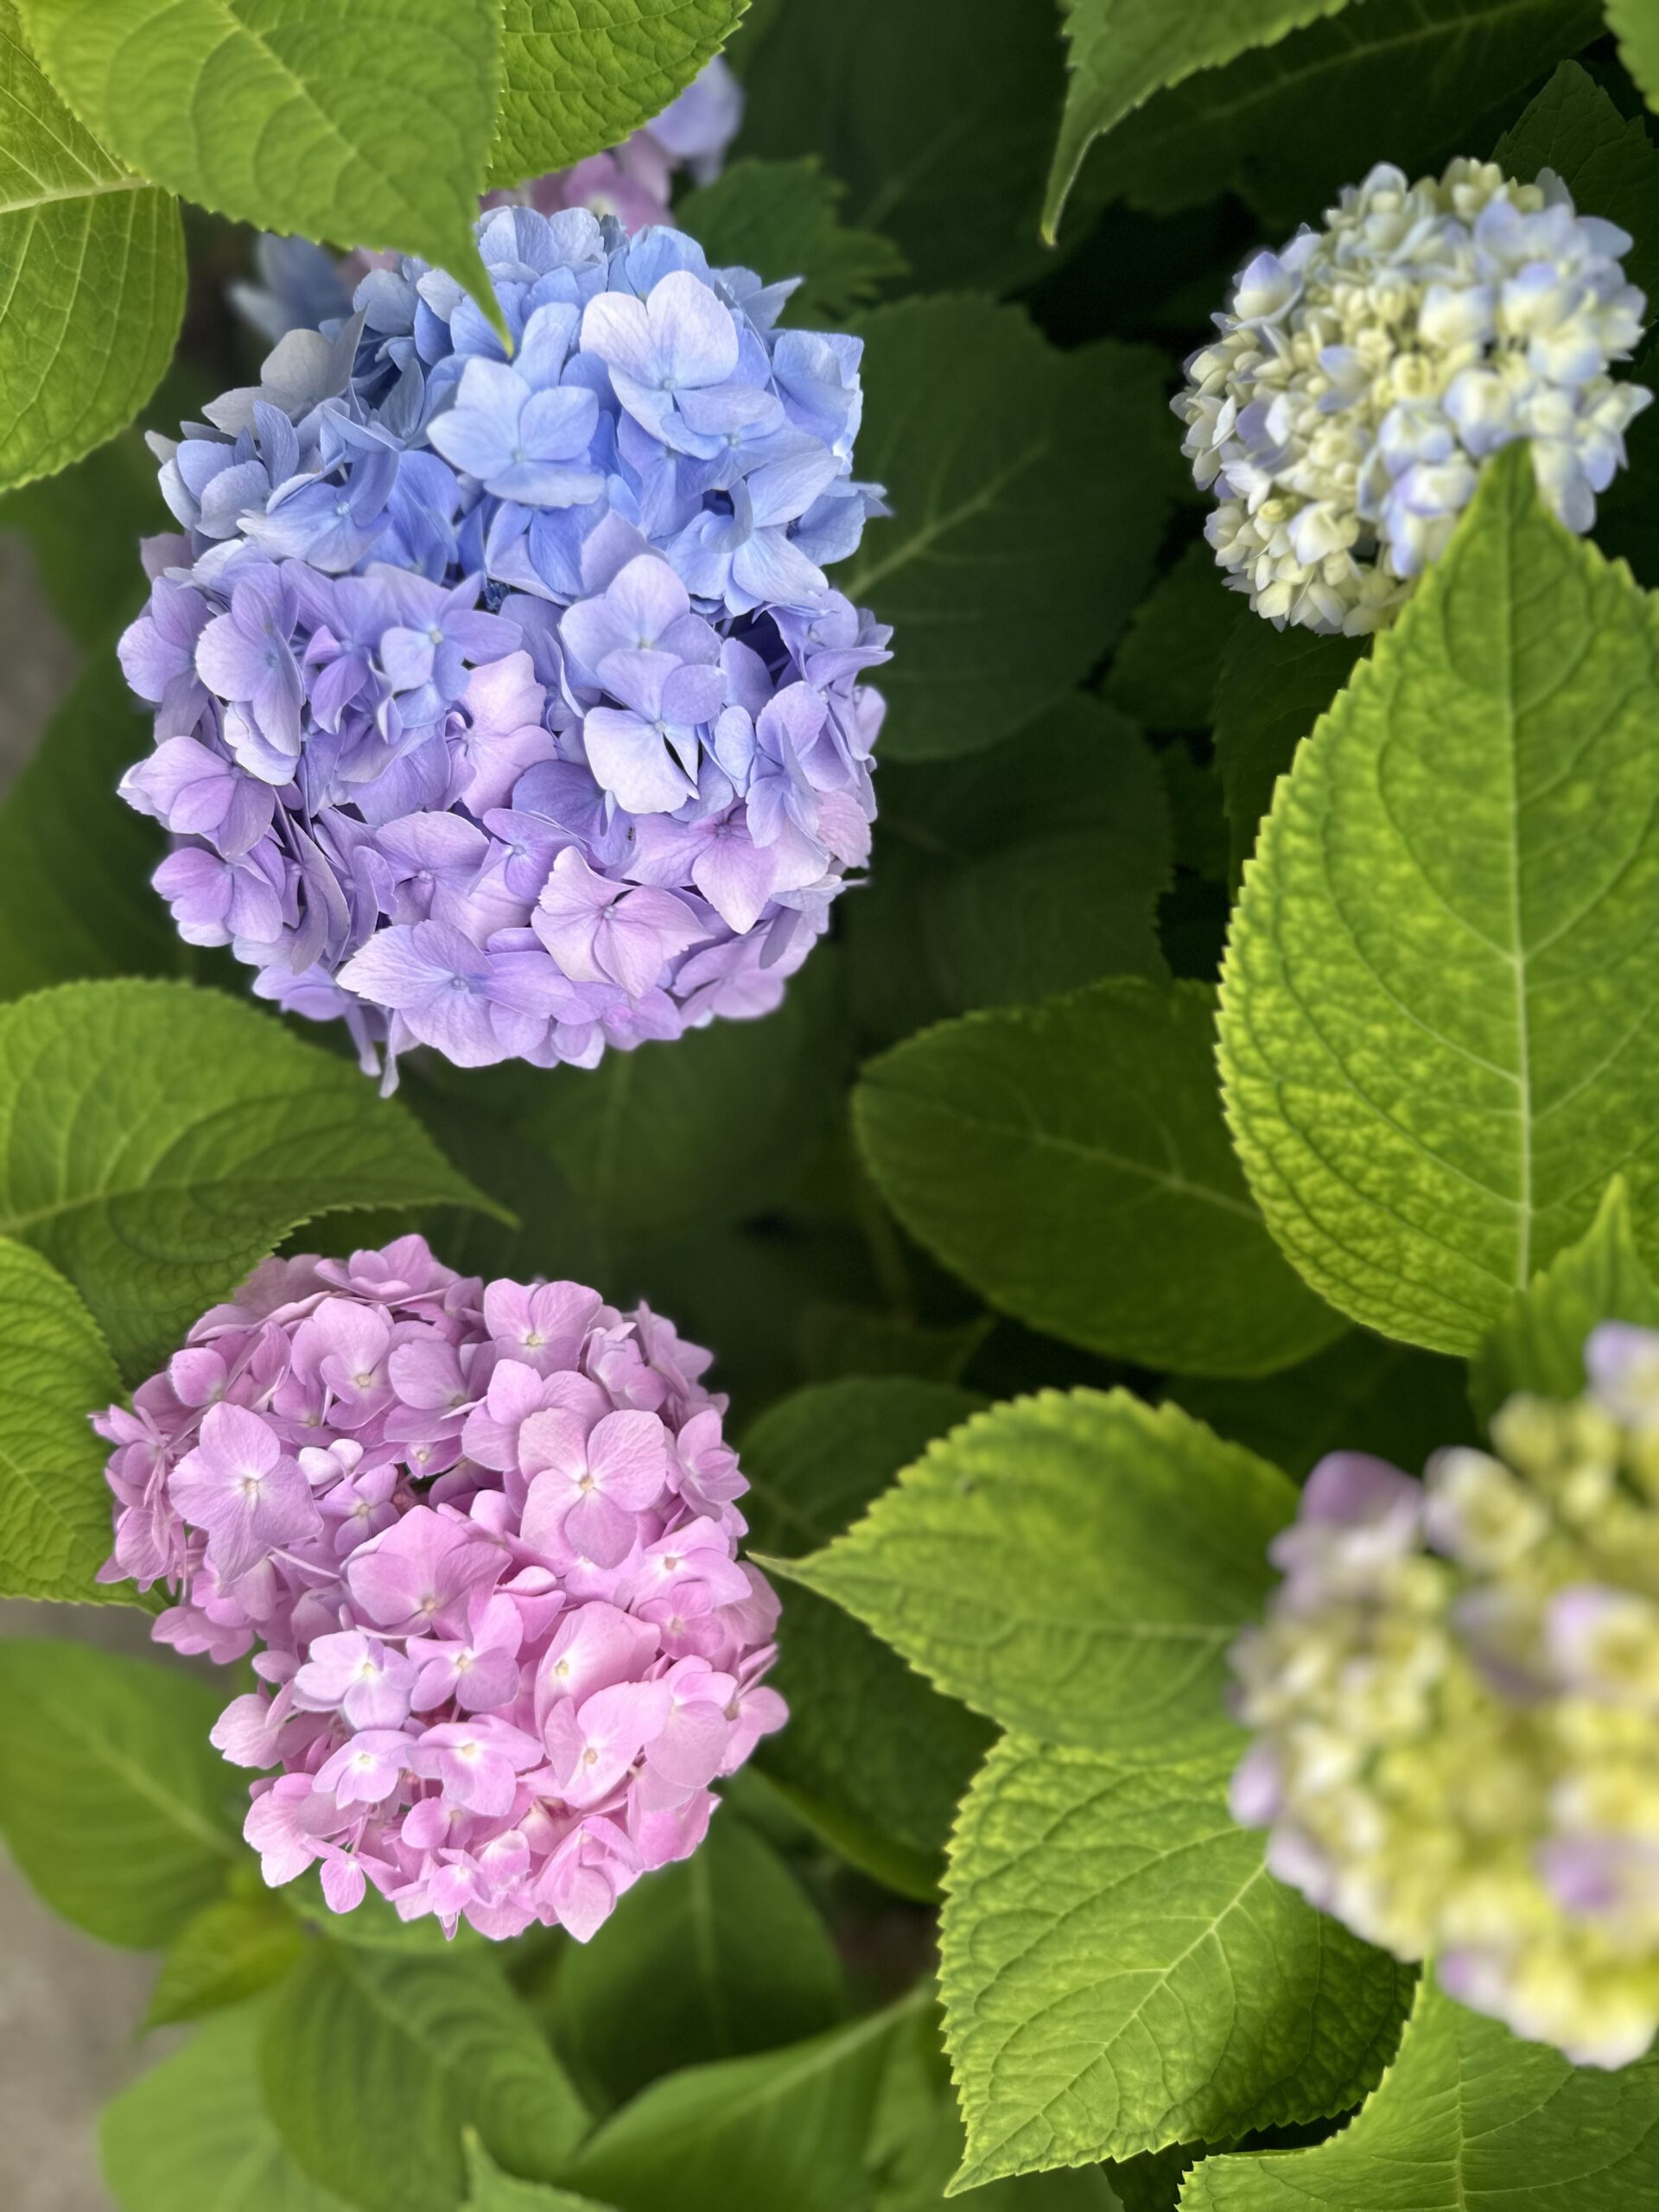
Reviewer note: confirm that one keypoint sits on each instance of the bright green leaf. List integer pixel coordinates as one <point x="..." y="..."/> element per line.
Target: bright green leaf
<point x="1028" y="489"/>
<point x="1635" y="23"/>
<point x="1073" y="1565"/>
<point x="940" y="126"/>
<point x="374" y="2061"/>
<point x="1434" y="1041"/>
<point x="1120" y="52"/>
<point x="872" y="1755"/>
<point x="1606" y="161"/>
<point x="92" y="275"/>
<point x="112" y="1800"/>
<point x="75" y="864"/>
<point x="1361" y="1393"/>
<point x="489" y="2190"/>
<point x="718" y="1956"/>
<point x="785" y="2128"/>
<point x="155" y="1141"/>
<point x="1538" y="1344"/>
<point x="1004" y="876"/>
<point x="1287" y="126"/>
<point x="1272" y="687"/>
<point x="782" y="219"/>
<point x="576" y="79"/>
<point x="1164" y="670"/>
<point x="369" y="125"/>
<point x="1119" y="1971"/>
<point x="1070" y="1162"/>
<point x="193" y="2134"/>
<point x="233" y="1949"/>
<point x="55" y="1370"/>
<point x="1468" y="2115"/>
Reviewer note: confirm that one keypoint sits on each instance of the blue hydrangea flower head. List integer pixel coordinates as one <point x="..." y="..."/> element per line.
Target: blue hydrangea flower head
<point x="503" y="704"/>
<point x="1360" y="377"/>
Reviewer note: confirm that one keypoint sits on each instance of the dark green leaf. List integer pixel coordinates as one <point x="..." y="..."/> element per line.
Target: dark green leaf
<point x="1274" y="686"/>
<point x="1164" y="670"/>
<point x="783" y="219"/>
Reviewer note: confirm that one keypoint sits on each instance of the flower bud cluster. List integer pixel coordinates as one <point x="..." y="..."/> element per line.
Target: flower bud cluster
<point x="1456" y="1701"/>
<point x="504" y="706"/>
<point x="1363" y="375"/>
<point x="482" y="1540"/>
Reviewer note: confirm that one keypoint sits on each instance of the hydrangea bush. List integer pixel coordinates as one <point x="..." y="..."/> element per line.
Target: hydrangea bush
<point x="1127" y="1673"/>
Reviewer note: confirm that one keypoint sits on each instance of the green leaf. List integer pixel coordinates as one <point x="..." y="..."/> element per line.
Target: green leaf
<point x="843" y="1340"/>
<point x="155" y="1141"/>
<point x="1635" y="23"/>
<point x="55" y="1370"/>
<point x="718" y="1956"/>
<point x="1538" y="1344"/>
<point x="782" y="219"/>
<point x="489" y="2190"/>
<point x="940" y="126"/>
<point x="1165" y="668"/>
<point x="1467" y="2115"/>
<point x="1361" y="1393"/>
<point x="91" y="273"/>
<point x="1433" y="1036"/>
<point x="873" y="1757"/>
<point x="1606" y="159"/>
<point x="576" y="79"/>
<point x="75" y="864"/>
<point x="1119" y="1971"/>
<point x="1074" y="1565"/>
<point x="374" y="2061"/>
<point x="1004" y="876"/>
<point x="232" y="1950"/>
<point x="369" y="125"/>
<point x="1120" y="52"/>
<point x="1070" y="1162"/>
<point x="1274" y="686"/>
<point x="193" y="2134"/>
<point x="112" y="1800"/>
<point x="746" y="2134"/>
<point x="1028" y="490"/>
<point x="1289" y="126"/>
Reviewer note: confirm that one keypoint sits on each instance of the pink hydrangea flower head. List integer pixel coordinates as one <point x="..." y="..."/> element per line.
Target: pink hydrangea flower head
<point x="482" y="1542"/>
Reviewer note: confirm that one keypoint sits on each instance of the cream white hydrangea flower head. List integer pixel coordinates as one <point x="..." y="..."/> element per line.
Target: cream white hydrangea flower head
<point x="1455" y="1703"/>
<point x="1363" y="375"/>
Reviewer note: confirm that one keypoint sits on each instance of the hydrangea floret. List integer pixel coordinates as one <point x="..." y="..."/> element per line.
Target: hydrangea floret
<point x="503" y="705"/>
<point x="1456" y="1696"/>
<point x="301" y="285"/>
<point x="1363" y="375"/>
<point x="481" y="1539"/>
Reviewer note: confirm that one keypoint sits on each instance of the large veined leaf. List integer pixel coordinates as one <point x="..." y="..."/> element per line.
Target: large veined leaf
<point x="1004" y="876"/>
<point x="232" y="1950"/>
<point x="75" y="864"/>
<point x="54" y="1369"/>
<point x="1070" y="1160"/>
<point x="193" y="2134"/>
<point x="1606" y="161"/>
<point x="373" y="2062"/>
<point x="91" y="273"/>
<point x="155" y="1141"/>
<point x="1467" y="2115"/>
<point x="715" y="1957"/>
<point x="1435" y="1036"/>
<point x="489" y="2190"/>
<point x="939" y="122"/>
<point x="1289" y="125"/>
<point x="1119" y="1971"/>
<point x="785" y="2128"/>
<point x="784" y="220"/>
<point x="1120" y="52"/>
<point x="1538" y="1344"/>
<point x="576" y="79"/>
<point x="112" y="1800"/>
<point x="872" y="1755"/>
<point x="1028" y="489"/>
<point x="1073" y="1565"/>
<point x="369" y="124"/>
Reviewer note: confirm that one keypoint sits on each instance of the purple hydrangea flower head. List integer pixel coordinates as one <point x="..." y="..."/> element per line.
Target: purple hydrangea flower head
<point x="506" y="706"/>
<point x="482" y="1542"/>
